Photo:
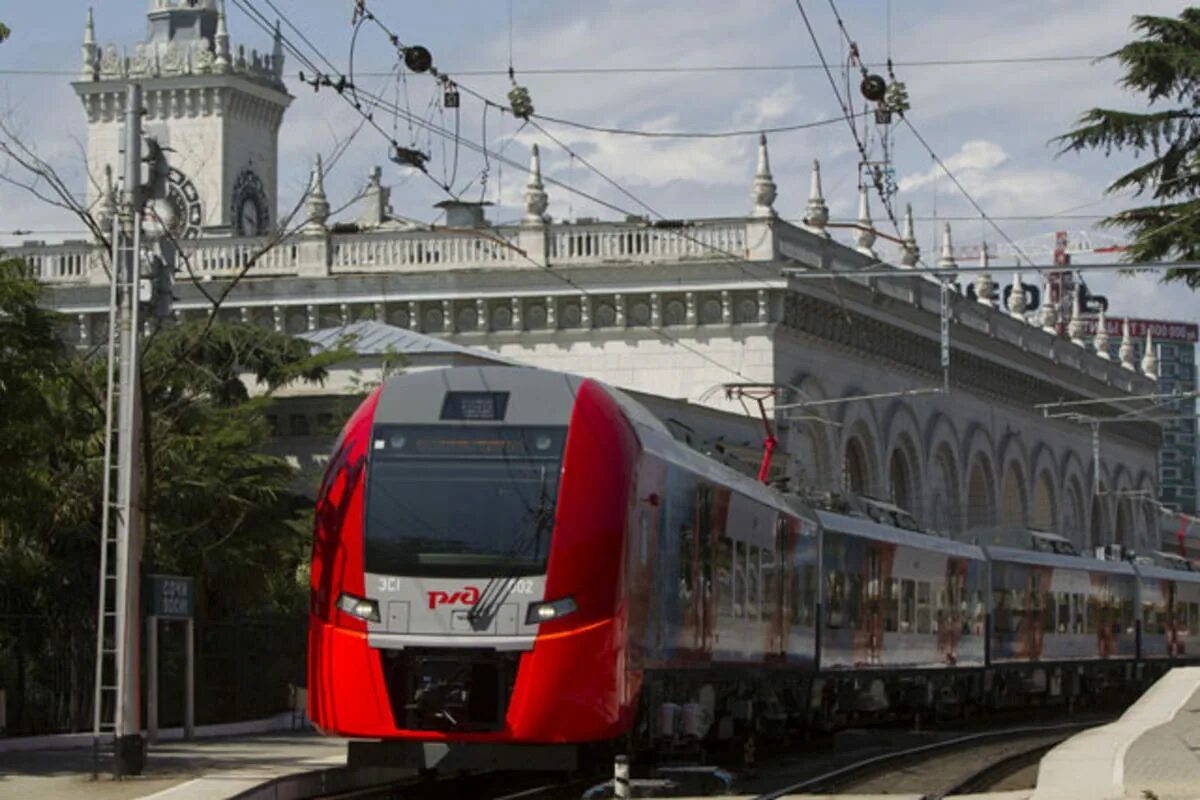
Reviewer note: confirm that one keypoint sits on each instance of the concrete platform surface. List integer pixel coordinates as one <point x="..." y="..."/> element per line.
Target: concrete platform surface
<point x="202" y="769"/>
<point x="1153" y="750"/>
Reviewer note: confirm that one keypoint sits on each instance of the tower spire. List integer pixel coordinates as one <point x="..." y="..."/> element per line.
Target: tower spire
<point x="91" y="53"/>
<point x="865" y="237"/>
<point x="277" y="54"/>
<point x="536" y="200"/>
<point x="221" y="41"/>
<point x="763" y="192"/>
<point x="1049" y="311"/>
<point x="910" y="253"/>
<point x="816" y="214"/>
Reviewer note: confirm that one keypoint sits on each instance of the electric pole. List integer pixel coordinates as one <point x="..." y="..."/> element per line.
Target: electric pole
<point x="129" y="748"/>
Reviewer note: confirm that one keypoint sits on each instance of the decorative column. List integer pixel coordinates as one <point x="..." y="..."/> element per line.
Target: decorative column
<point x="310" y="312"/>
<point x="1075" y="326"/>
<point x="1126" y="352"/>
<point x="551" y="312"/>
<point x="314" y="239"/>
<point x="655" y="310"/>
<point x="344" y="314"/>
<point x="619" y="305"/>
<point x="378" y="313"/>
<point x="585" y="311"/>
<point x="1149" y="360"/>
<point x="414" y="320"/>
<point x="690" y="304"/>
<point x="864" y="239"/>
<point x="910" y="253"/>
<point x="481" y="315"/>
<point x="816" y="213"/>
<point x="222" y="63"/>
<point x="277" y="318"/>
<point x="726" y="308"/>
<point x="760" y="231"/>
<point x="1100" y="340"/>
<point x="1049" y="310"/>
<point x="533" y="231"/>
<point x="448" y="322"/>
<point x="763" y="310"/>
<point x="1016" y="297"/>
<point x="983" y="281"/>
<point x="515" y="305"/>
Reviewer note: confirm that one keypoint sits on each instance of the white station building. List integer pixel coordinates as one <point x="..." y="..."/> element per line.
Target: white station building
<point x="672" y="308"/>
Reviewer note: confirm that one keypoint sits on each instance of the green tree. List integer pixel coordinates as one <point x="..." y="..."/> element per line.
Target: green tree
<point x="1164" y="65"/>
<point x="217" y="506"/>
<point x="5" y="32"/>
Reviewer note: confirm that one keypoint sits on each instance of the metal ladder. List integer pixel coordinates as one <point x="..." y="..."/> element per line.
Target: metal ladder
<point x="107" y="701"/>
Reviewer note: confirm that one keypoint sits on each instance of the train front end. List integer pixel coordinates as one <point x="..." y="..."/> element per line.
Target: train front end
<point x="466" y="566"/>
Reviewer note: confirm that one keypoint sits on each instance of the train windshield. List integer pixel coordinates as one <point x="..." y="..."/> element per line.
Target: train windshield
<point x="461" y="501"/>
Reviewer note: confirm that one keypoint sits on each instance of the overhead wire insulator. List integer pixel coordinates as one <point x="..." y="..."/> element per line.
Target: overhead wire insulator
<point x="418" y="59"/>
<point x="520" y="101"/>
<point x="450" y="97"/>
<point x="896" y="97"/>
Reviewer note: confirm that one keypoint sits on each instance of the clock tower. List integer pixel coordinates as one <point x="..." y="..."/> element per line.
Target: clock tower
<point x="215" y="108"/>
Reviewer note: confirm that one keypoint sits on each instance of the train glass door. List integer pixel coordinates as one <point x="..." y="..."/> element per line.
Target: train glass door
<point x="705" y="531"/>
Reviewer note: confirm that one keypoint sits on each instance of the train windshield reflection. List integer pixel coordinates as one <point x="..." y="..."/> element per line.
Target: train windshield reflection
<point x="463" y="501"/>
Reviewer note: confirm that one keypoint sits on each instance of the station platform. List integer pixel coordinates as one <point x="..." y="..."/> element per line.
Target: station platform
<point x="1153" y="750"/>
<point x="214" y="766"/>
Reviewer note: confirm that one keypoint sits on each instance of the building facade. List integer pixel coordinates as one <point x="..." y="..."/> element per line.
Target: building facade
<point x="683" y="309"/>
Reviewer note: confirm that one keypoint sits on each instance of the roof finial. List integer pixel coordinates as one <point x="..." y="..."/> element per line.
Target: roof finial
<point x="1149" y="360"/>
<point x="816" y="214"/>
<point x="946" y="259"/>
<point x="763" y="193"/>
<point x="910" y="253"/>
<point x="1126" y="351"/>
<point x="277" y="53"/>
<point x="108" y="200"/>
<point x="221" y="41"/>
<point x="317" y="204"/>
<point x="1100" y="340"/>
<point x="536" y="200"/>
<point x="983" y="281"/>
<point x="1049" y="310"/>
<point x="1016" y="297"/>
<point x="866" y="228"/>
<point x="1075" y="326"/>
<point x="91" y="53"/>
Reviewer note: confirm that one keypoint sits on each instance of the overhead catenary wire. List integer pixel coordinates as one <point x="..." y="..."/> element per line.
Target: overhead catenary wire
<point x="658" y="330"/>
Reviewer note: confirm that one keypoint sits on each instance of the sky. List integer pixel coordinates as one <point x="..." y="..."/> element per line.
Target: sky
<point x="991" y="123"/>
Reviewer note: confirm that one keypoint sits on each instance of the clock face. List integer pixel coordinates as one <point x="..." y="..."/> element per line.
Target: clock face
<point x="249" y="212"/>
<point x="179" y="212"/>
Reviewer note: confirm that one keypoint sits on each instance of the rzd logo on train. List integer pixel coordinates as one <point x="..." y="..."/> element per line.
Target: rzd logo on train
<point x="467" y="597"/>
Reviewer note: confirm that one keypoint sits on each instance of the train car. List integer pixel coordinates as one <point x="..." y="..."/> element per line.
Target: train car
<point x="1169" y="608"/>
<point x="507" y="556"/>
<point x="1050" y="604"/>
<point x="899" y="599"/>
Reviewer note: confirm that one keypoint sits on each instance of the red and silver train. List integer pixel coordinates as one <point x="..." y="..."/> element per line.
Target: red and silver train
<point x="514" y="562"/>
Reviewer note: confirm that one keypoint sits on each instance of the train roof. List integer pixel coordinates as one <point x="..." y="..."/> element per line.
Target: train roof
<point x="866" y="529"/>
<point x="534" y="396"/>
<point x="1158" y="564"/>
<point x="1020" y="556"/>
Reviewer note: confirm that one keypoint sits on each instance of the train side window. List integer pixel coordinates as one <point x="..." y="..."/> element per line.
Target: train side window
<point x="1001" y="613"/>
<point x="1193" y="618"/>
<point x="724" y="577"/>
<point x="770" y="582"/>
<point x="1093" y="614"/>
<point x="1127" y="614"/>
<point x="854" y="601"/>
<point x="738" y="581"/>
<point x="687" y="560"/>
<point x="908" y="605"/>
<point x="808" y="596"/>
<point x="1062" y="619"/>
<point x="837" y="599"/>
<point x="923" y="599"/>
<point x="753" y="582"/>
<point x="891" y="605"/>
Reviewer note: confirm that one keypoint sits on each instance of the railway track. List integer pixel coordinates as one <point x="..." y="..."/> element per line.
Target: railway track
<point x="473" y="786"/>
<point x="939" y="769"/>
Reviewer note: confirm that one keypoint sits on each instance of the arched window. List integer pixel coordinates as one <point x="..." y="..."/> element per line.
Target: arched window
<point x="1012" y="497"/>
<point x="900" y="489"/>
<point x="855" y="475"/>
<point x="981" y="512"/>
<point x="1043" y="505"/>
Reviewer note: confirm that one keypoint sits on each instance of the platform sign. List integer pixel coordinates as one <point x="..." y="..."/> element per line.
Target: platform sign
<point x="170" y="596"/>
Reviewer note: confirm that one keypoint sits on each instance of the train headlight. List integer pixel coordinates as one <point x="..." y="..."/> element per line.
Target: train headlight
<point x="359" y="607"/>
<point x="550" y="609"/>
